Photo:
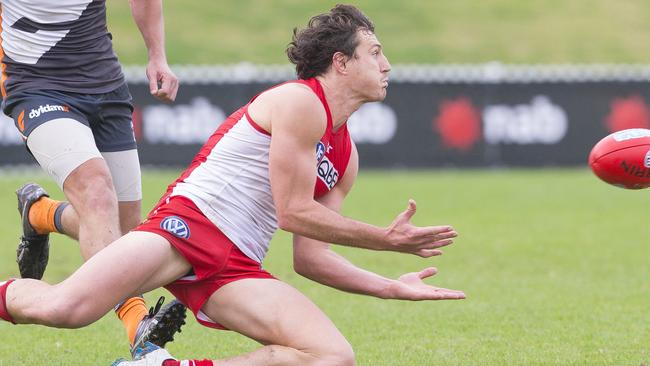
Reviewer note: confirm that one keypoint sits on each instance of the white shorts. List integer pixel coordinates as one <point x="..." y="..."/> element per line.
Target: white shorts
<point x="61" y="145"/>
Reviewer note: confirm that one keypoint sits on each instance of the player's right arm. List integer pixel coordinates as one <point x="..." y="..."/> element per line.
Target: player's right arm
<point x="297" y="121"/>
<point x="148" y="15"/>
<point x="315" y="260"/>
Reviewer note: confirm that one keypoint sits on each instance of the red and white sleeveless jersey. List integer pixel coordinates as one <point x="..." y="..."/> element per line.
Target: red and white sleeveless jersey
<point x="228" y="180"/>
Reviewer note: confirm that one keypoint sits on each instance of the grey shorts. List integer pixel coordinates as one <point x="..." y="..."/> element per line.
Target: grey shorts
<point x="64" y="130"/>
<point x="108" y="115"/>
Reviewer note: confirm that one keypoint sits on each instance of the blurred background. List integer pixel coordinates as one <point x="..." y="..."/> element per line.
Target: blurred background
<point x="491" y="112"/>
<point x="494" y="83"/>
<point x="479" y="96"/>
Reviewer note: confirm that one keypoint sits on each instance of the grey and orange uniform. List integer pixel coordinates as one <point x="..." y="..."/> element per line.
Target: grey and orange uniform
<point x="64" y="87"/>
<point x="62" y="45"/>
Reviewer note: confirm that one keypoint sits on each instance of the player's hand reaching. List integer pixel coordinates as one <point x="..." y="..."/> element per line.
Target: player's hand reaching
<point x="163" y="84"/>
<point x="411" y="287"/>
<point x="422" y="241"/>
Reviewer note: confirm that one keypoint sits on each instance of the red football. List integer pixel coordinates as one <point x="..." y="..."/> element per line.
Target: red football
<point x="623" y="158"/>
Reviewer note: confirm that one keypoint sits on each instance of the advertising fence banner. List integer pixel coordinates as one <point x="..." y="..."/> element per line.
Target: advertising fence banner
<point x="465" y="116"/>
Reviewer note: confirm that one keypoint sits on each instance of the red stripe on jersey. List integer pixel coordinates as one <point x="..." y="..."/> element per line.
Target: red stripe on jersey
<point x="317" y="88"/>
<point x="314" y="85"/>
<point x="255" y="125"/>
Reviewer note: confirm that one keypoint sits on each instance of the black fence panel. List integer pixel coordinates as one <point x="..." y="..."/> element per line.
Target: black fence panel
<point x="421" y="124"/>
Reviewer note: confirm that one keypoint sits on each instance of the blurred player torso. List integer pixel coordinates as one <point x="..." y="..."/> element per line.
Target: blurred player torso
<point x="61" y="45"/>
<point x="229" y="178"/>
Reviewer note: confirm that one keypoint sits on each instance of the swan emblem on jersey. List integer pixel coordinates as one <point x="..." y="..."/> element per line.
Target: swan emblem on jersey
<point x="176" y="226"/>
<point x="320" y="151"/>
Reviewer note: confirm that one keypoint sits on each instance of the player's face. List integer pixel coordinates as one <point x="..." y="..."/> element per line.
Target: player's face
<point x="370" y="68"/>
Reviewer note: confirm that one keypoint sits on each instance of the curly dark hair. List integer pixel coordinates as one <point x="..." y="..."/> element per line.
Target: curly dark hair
<point x="312" y="48"/>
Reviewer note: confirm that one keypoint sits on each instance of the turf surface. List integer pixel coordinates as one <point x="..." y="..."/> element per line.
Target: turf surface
<point x="554" y="263"/>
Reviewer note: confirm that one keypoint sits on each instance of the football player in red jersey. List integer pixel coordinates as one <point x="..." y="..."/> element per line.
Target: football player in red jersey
<point x="283" y="160"/>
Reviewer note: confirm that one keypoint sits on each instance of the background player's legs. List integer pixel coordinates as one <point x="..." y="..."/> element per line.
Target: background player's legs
<point x="293" y="329"/>
<point x="130" y="217"/>
<point x="65" y="148"/>
<point x="89" y="189"/>
<point x="136" y="263"/>
<point x="125" y="172"/>
<point x="127" y="180"/>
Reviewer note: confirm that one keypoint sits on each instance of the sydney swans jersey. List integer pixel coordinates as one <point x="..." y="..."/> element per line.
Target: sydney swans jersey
<point x="228" y="180"/>
<point x="61" y="45"/>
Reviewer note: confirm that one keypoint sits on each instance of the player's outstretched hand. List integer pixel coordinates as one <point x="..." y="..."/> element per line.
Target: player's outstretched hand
<point x="411" y="287"/>
<point x="163" y="84"/>
<point x="421" y="241"/>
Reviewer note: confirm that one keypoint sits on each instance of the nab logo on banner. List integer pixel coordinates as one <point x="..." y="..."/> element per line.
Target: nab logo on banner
<point x="539" y="122"/>
<point x="176" y="226"/>
<point x="183" y="124"/>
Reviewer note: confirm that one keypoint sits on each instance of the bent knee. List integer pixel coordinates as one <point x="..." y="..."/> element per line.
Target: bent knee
<point x="341" y="354"/>
<point x="92" y="174"/>
<point x="343" y="357"/>
<point x="96" y="184"/>
<point x="92" y="193"/>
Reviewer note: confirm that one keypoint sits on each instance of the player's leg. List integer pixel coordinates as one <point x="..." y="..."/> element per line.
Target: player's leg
<point x="136" y="263"/>
<point x="115" y="138"/>
<point x="241" y="296"/>
<point x="127" y="180"/>
<point x="65" y="148"/>
<point x="93" y="216"/>
<point x="130" y="214"/>
<point x="291" y="328"/>
<point x="125" y="173"/>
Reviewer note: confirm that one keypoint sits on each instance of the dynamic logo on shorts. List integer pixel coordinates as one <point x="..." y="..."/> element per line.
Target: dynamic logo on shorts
<point x="646" y="161"/>
<point x="176" y="226"/>
<point x="47" y="108"/>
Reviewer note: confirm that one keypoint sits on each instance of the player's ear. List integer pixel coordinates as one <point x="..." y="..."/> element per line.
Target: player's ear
<point x="339" y="62"/>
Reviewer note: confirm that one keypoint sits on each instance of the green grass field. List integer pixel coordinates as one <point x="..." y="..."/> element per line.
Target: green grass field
<point x="413" y="31"/>
<point x="554" y="263"/>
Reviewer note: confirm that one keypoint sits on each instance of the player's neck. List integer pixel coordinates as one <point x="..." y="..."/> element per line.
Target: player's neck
<point x="341" y="101"/>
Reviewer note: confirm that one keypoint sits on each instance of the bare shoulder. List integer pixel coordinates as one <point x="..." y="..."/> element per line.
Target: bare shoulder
<point x="291" y="92"/>
<point x="286" y="102"/>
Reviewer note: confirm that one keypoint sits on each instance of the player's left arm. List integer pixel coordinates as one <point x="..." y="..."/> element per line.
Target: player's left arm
<point x="315" y="260"/>
<point x="148" y="15"/>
